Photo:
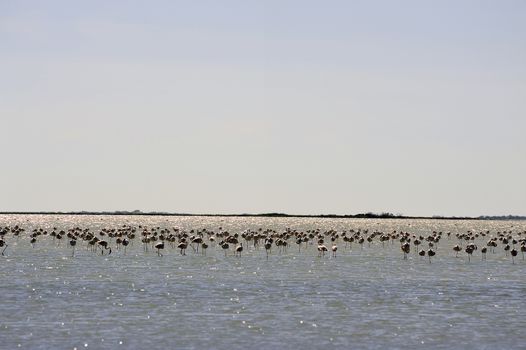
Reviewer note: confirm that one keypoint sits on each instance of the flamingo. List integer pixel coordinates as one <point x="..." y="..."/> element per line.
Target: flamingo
<point x="224" y="246"/>
<point x="239" y="249"/>
<point x="197" y="241"/>
<point x="72" y="243"/>
<point x="125" y="243"/>
<point x="406" y="248"/>
<point x="334" y="248"/>
<point x="159" y="246"/>
<point x="298" y="242"/>
<point x="321" y="250"/>
<point x="457" y="249"/>
<point x="268" y="246"/>
<point x="3" y="244"/>
<point x="430" y="253"/>
<point x="469" y="249"/>
<point x="182" y="246"/>
<point x="484" y="250"/>
<point x="513" y="255"/>
<point x="104" y="246"/>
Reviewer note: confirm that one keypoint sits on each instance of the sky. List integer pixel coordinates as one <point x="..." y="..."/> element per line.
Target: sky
<point x="296" y="106"/>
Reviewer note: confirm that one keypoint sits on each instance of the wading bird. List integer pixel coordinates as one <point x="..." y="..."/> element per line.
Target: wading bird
<point x="159" y="246"/>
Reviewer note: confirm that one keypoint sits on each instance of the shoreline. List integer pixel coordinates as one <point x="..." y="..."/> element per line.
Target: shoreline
<point x="272" y="215"/>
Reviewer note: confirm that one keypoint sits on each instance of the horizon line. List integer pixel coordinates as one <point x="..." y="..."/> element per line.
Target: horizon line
<point x="368" y="215"/>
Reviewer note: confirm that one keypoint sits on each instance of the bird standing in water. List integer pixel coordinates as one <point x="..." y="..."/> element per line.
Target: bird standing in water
<point x="3" y="244"/>
<point x="406" y="248"/>
<point x="239" y="249"/>
<point x="430" y="253"/>
<point x="268" y="246"/>
<point x="73" y="243"/>
<point x="159" y="246"/>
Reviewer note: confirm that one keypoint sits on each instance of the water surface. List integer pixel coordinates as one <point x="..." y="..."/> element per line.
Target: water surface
<point x="364" y="298"/>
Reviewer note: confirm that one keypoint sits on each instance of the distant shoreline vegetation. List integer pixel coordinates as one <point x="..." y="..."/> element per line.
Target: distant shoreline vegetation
<point x="272" y="215"/>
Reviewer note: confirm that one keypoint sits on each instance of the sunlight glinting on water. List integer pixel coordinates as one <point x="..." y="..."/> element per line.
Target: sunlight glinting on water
<point x="367" y="295"/>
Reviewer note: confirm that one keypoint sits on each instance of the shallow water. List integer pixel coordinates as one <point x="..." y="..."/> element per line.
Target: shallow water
<point x="364" y="298"/>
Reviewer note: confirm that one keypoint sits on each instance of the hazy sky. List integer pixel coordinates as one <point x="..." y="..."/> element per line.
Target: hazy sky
<point x="414" y="107"/>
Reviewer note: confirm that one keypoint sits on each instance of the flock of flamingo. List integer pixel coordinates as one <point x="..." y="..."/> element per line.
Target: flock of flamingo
<point x="159" y="239"/>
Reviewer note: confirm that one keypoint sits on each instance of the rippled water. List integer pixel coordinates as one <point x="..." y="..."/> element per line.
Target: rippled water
<point x="363" y="298"/>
